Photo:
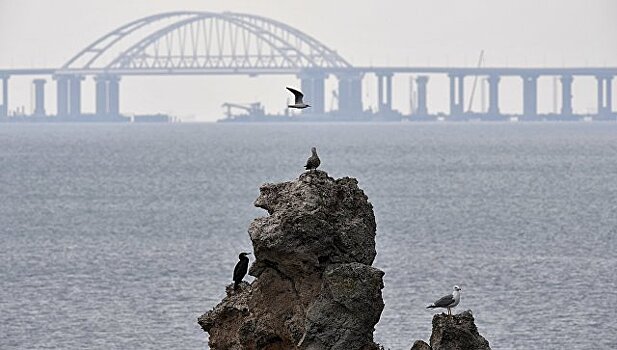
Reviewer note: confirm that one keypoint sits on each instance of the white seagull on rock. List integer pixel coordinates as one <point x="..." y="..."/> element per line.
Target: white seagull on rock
<point x="298" y="103"/>
<point x="449" y="301"/>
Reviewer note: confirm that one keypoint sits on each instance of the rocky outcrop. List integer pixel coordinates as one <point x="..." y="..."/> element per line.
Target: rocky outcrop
<point x="315" y="287"/>
<point x="420" y="345"/>
<point x="456" y="332"/>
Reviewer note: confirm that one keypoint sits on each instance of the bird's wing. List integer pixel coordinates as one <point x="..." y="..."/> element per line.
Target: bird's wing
<point x="444" y="301"/>
<point x="297" y="94"/>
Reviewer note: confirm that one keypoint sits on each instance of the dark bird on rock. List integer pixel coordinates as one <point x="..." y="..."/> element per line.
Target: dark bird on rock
<point x="241" y="268"/>
<point x="313" y="161"/>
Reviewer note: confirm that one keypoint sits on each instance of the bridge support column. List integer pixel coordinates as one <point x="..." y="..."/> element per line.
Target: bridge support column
<point x="113" y="95"/>
<point x="75" y="95"/>
<point x="313" y="87"/>
<point x="4" y="107"/>
<point x="421" y="82"/>
<point x="62" y="95"/>
<point x="493" y="102"/>
<point x="530" y="95"/>
<point x="379" y="92"/>
<point x="457" y="94"/>
<point x="566" y="95"/>
<point x="385" y="102"/>
<point x="605" y="92"/>
<point x="39" y="96"/>
<point x="100" y="95"/>
<point x="107" y="95"/>
<point x="306" y="86"/>
<point x="609" y="95"/>
<point x="389" y="92"/>
<point x="350" y="94"/>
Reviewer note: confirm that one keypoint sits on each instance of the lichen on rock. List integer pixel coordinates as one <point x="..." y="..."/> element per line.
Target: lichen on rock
<point x="315" y="287"/>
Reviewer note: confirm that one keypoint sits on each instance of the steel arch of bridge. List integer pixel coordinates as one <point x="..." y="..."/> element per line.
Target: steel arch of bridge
<point x="204" y="43"/>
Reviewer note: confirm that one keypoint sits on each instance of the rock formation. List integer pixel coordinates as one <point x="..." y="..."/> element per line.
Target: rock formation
<point x="315" y="287"/>
<point x="420" y="345"/>
<point x="457" y="332"/>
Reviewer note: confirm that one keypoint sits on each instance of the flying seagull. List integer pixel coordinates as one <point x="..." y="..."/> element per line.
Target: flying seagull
<point x="449" y="301"/>
<point x="313" y="161"/>
<point x="298" y="99"/>
<point x="241" y="268"/>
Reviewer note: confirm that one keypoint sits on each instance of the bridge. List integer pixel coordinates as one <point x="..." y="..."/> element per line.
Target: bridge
<point x="208" y="43"/>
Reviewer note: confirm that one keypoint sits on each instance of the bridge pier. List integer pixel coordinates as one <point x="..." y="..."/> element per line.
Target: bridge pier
<point x="313" y="86"/>
<point x="75" y="95"/>
<point x="114" y="95"/>
<point x="605" y="92"/>
<point x="530" y="95"/>
<point x="107" y="95"/>
<point x="39" y="96"/>
<point x="100" y="105"/>
<point x="4" y="107"/>
<point x="421" y="82"/>
<point x="457" y="94"/>
<point x="384" y="105"/>
<point x="493" y="93"/>
<point x="566" y="94"/>
<point x="350" y="93"/>
<point x="68" y="95"/>
<point x="62" y="95"/>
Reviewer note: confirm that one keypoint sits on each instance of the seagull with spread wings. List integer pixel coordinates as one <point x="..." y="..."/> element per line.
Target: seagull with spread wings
<point x="298" y="96"/>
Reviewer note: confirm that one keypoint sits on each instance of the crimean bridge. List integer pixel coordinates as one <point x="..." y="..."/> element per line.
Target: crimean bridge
<point x="208" y="43"/>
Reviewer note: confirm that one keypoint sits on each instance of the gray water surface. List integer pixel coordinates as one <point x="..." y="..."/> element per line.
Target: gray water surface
<point x="120" y="236"/>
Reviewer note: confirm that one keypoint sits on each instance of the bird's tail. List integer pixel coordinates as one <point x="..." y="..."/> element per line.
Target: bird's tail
<point x="432" y="306"/>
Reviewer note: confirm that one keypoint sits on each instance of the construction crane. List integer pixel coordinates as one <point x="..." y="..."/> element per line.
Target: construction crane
<point x="252" y="109"/>
<point x="475" y="80"/>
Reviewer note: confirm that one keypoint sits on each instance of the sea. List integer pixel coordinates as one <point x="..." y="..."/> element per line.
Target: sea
<point x="119" y="236"/>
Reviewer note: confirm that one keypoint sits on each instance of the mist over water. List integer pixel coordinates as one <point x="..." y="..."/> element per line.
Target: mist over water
<point x="120" y="236"/>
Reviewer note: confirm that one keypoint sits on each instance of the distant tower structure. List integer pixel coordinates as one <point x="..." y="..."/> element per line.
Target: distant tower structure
<point x="4" y="106"/>
<point x="39" y="96"/>
<point x="555" y="93"/>
<point x="412" y="96"/>
<point x="483" y="107"/>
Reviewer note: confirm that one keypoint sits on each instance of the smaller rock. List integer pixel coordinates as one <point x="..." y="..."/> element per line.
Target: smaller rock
<point x="420" y="345"/>
<point x="456" y="332"/>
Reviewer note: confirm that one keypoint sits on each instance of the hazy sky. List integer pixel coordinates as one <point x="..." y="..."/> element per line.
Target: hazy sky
<point x="512" y="33"/>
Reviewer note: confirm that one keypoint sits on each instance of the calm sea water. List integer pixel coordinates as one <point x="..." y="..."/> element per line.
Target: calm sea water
<point x="120" y="236"/>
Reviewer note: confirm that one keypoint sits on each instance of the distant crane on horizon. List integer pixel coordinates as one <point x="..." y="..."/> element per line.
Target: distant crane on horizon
<point x="475" y="80"/>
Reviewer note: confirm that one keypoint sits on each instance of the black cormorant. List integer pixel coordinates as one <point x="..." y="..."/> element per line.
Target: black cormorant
<point x="313" y="161"/>
<point x="241" y="268"/>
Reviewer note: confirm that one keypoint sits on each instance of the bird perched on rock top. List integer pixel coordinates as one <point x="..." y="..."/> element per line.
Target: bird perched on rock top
<point x="298" y="96"/>
<point x="313" y="162"/>
<point x="241" y="268"/>
<point x="449" y="301"/>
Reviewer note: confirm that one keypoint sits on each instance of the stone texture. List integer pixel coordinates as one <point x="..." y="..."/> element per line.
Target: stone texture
<point x="457" y="332"/>
<point x="420" y="345"/>
<point x="314" y="287"/>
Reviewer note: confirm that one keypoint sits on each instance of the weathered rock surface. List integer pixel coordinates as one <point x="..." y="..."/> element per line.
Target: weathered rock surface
<point x="314" y="287"/>
<point x="420" y="345"/>
<point x="458" y="332"/>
